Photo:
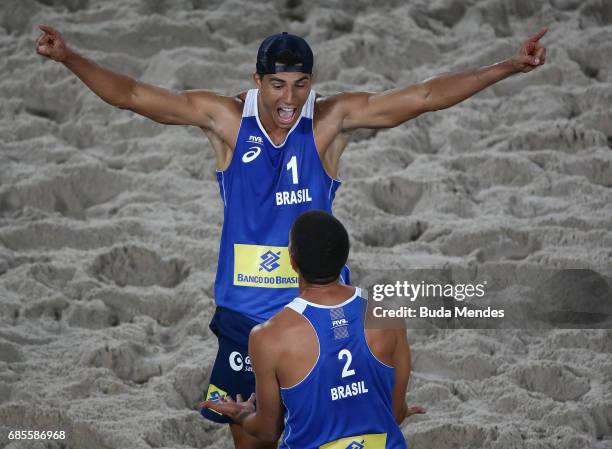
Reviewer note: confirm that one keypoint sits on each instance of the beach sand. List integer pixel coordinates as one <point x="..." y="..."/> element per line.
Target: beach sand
<point x="110" y="223"/>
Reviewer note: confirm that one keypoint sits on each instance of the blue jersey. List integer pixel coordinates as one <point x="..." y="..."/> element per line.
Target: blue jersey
<point x="264" y="189"/>
<point x="345" y="400"/>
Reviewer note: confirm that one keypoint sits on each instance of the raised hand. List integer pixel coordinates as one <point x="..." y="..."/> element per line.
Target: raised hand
<point x="531" y="54"/>
<point x="51" y="44"/>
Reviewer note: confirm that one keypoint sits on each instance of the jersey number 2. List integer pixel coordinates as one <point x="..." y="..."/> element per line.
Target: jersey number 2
<point x="292" y="165"/>
<point x="346" y="372"/>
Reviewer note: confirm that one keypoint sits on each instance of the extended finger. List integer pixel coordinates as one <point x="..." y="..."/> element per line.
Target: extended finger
<point x="47" y="29"/>
<point x="539" y="52"/>
<point x="217" y="407"/>
<point x="536" y="37"/>
<point x="529" y="47"/>
<point x="239" y="398"/>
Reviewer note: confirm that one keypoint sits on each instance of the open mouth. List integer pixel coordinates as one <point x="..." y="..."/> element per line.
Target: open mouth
<point x="286" y="115"/>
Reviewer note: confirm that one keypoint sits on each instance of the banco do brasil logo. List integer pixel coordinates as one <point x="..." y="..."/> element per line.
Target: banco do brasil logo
<point x="356" y="445"/>
<point x="215" y="396"/>
<point x="269" y="261"/>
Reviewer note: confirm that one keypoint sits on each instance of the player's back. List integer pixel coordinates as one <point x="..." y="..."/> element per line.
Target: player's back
<point x="344" y="401"/>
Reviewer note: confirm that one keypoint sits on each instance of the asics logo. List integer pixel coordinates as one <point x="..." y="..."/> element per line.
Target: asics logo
<point x="251" y="155"/>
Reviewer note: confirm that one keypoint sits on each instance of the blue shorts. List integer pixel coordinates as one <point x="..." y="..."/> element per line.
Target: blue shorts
<point x="232" y="373"/>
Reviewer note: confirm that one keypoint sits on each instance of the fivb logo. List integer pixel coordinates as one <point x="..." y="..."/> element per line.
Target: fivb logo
<point x="337" y="317"/>
<point x="237" y="362"/>
<point x="253" y="152"/>
<point x="337" y="323"/>
<point x="269" y="261"/>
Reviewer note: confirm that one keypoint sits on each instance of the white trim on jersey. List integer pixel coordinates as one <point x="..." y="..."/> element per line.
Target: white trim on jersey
<point x="318" y="346"/>
<point x="287" y="425"/>
<point x="250" y="104"/>
<point x="298" y="306"/>
<point x="308" y="108"/>
<point x="223" y="186"/>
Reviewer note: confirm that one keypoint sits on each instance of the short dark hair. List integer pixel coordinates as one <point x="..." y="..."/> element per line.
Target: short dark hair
<point x="319" y="246"/>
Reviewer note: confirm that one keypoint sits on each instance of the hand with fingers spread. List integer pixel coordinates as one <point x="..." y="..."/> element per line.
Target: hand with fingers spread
<point x="237" y="410"/>
<point x="532" y="53"/>
<point x="51" y="44"/>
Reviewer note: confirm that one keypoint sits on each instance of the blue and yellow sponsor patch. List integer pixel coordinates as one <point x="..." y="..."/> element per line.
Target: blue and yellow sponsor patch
<point x="215" y="393"/>
<point x="368" y="441"/>
<point x="263" y="266"/>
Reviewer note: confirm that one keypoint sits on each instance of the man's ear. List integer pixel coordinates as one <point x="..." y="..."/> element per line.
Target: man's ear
<point x="257" y="79"/>
<point x="293" y="264"/>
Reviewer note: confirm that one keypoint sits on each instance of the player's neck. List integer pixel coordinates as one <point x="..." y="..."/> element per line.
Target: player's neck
<point x="276" y="133"/>
<point x="325" y="294"/>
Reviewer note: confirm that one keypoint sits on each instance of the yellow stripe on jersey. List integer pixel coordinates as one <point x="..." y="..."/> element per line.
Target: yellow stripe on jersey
<point x="215" y="393"/>
<point x="263" y="266"/>
<point x="369" y="441"/>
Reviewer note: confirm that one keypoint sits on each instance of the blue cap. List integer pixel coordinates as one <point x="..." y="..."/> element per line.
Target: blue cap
<point x="284" y="52"/>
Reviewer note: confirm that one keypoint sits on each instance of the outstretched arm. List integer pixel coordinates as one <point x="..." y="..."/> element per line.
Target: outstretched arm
<point x="391" y="108"/>
<point x="198" y="108"/>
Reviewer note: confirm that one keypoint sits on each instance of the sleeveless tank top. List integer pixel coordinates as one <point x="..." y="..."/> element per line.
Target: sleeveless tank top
<point x="345" y="400"/>
<point x="264" y="189"/>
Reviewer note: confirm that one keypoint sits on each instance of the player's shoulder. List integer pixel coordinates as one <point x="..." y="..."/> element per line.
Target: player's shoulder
<point x="241" y="97"/>
<point x="221" y="102"/>
<point x="272" y="336"/>
<point x="268" y="330"/>
<point x="340" y="99"/>
<point x="339" y="105"/>
<point x="236" y="102"/>
<point x="275" y="330"/>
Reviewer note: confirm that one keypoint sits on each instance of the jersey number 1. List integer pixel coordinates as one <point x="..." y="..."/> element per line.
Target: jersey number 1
<point x="346" y="372"/>
<point x="292" y="165"/>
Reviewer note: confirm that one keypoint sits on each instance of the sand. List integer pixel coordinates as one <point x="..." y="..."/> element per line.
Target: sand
<point x="109" y="223"/>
